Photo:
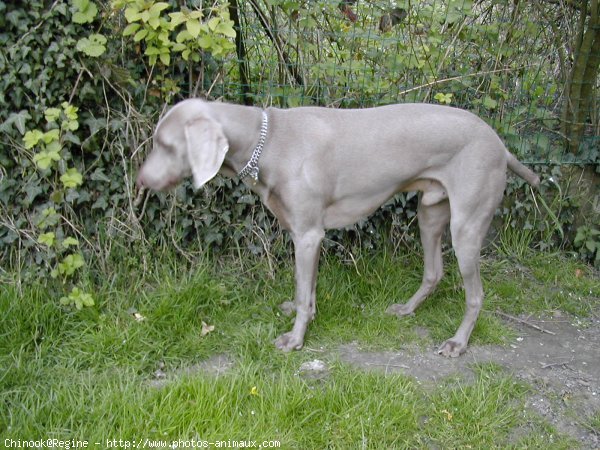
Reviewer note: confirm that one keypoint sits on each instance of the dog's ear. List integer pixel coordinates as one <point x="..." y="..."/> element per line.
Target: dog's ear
<point x="206" y="149"/>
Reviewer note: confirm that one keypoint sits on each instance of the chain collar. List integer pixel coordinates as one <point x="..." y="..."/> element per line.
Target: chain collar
<point x="251" y="168"/>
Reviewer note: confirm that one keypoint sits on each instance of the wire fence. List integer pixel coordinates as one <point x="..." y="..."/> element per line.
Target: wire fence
<point x="512" y="63"/>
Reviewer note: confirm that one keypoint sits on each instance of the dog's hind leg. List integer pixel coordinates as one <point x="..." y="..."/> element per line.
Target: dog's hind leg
<point x="472" y="213"/>
<point x="433" y="220"/>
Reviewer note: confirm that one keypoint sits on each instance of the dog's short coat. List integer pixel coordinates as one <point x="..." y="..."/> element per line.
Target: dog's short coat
<point x="327" y="168"/>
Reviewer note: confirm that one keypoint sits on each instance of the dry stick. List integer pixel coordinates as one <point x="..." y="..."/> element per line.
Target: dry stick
<point x="564" y="363"/>
<point x="444" y="80"/>
<point x="399" y="366"/>
<point x="524" y="322"/>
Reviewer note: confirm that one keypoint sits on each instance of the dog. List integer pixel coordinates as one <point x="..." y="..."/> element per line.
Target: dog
<point x="319" y="168"/>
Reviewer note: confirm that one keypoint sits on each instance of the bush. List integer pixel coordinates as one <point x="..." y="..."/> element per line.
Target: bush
<point x="84" y="83"/>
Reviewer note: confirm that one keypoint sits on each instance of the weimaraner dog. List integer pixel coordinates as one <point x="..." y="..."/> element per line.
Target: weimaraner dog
<point x="320" y="168"/>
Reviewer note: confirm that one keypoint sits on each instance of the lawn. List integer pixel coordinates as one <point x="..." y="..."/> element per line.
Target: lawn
<point x="132" y="367"/>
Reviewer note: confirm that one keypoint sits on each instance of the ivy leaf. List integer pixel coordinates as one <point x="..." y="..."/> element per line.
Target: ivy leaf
<point x="443" y="98"/>
<point x="70" y="264"/>
<point x="84" y="11"/>
<point x="52" y="114"/>
<point x="44" y="159"/>
<point x="16" y="119"/>
<point x="77" y="298"/>
<point x="71" y="178"/>
<point x="69" y="242"/>
<point x="54" y="147"/>
<point x="489" y="102"/>
<point x="32" y="138"/>
<point x="49" y="217"/>
<point x="47" y="239"/>
<point x="51" y="136"/>
<point x="92" y="46"/>
<point x="99" y="175"/>
<point x="57" y="196"/>
<point x="70" y="110"/>
<point x="70" y="125"/>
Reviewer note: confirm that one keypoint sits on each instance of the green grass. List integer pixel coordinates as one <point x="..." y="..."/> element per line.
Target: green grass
<point x="87" y="374"/>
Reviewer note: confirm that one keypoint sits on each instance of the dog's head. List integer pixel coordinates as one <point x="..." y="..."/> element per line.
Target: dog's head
<point x="187" y="141"/>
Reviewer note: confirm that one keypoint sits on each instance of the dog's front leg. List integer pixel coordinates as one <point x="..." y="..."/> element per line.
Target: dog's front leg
<point x="308" y="248"/>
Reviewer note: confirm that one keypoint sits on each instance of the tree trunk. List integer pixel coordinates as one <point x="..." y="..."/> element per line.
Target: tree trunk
<point x="582" y="79"/>
<point x="240" y="48"/>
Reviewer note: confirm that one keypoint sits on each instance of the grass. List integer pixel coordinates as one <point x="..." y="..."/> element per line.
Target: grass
<point x="88" y="374"/>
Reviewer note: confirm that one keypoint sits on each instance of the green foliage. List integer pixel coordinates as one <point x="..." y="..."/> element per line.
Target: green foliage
<point x="84" y="11"/>
<point x="61" y="122"/>
<point x="148" y="24"/>
<point x="445" y="99"/>
<point x="84" y="82"/>
<point x="99" y="370"/>
<point x="94" y="45"/>
<point x="587" y="241"/>
<point x="77" y="298"/>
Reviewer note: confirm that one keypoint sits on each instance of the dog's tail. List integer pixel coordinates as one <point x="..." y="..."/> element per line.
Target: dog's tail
<point x="517" y="167"/>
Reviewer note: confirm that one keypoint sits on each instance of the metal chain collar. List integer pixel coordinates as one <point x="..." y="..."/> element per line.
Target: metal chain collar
<point x="251" y="168"/>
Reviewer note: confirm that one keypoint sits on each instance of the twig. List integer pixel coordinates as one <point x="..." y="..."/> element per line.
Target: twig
<point x="564" y="363"/>
<point x="400" y="366"/>
<point x="459" y="77"/>
<point x="524" y="322"/>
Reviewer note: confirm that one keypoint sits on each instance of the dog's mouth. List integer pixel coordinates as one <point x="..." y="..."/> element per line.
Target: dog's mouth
<point x="168" y="185"/>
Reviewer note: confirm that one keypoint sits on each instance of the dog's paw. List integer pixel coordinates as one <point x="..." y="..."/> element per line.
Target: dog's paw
<point x="288" y="308"/>
<point x="288" y="342"/>
<point x="452" y="349"/>
<point x="400" y="310"/>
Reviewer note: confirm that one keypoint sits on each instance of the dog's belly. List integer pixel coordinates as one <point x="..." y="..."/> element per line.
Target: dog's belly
<point x="350" y="209"/>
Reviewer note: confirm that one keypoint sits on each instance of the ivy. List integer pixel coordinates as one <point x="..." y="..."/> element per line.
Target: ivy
<point x="61" y="121"/>
<point x="94" y="45"/>
<point x="84" y="11"/>
<point x="77" y="298"/>
<point x="445" y="99"/>
<point x="83" y="82"/>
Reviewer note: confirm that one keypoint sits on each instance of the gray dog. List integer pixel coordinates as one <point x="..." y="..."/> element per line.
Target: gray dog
<point x="320" y="168"/>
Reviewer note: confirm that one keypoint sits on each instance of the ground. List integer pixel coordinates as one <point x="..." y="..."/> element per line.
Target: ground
<point x="188" y="352"/>
<point x="557" y="356"/>
<point x="562" y="364"/>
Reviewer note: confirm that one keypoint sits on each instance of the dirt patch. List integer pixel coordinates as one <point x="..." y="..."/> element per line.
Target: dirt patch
<point x="562" y="365"/>
<point x="214" y="366"/>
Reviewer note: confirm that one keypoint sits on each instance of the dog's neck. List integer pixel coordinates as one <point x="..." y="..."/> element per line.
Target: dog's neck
<point x="241" y="145"/>
<point x="251" y="168"/>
